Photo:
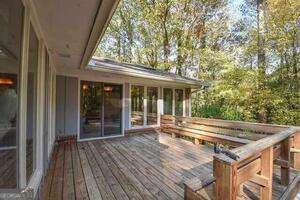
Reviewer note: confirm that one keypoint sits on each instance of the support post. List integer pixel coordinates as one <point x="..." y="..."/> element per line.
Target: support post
<point x="226" y="179"/>
<point x="174" y="135"/>
<point x="267" y="171"/>
<point x="285" y="155"/>
<point x="297" y="155"/>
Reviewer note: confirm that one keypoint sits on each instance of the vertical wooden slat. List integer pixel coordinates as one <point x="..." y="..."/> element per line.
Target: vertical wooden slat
<point x="267" y="171"/>
<point x="285" y="155"/>
<point x="297" y="155"/>
<point x="197" y="141"/>
<point x="226" y="180"/>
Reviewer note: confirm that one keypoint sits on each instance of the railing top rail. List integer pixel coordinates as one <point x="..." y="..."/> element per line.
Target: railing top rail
<point x="256" y="127"/>
<point x="255" y="147"/>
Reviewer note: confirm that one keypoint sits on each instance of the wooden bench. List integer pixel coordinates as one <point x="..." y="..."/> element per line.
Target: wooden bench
<point x="203" y="135"/>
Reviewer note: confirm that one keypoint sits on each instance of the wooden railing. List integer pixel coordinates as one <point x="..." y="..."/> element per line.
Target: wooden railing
<point x="257" y="148"/>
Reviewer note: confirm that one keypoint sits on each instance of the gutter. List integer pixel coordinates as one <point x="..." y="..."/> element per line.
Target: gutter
<point x="112" y="69"/>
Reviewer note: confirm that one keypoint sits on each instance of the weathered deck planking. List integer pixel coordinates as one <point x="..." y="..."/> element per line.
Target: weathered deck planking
<point x="145" y="166"/>
<point x="79" y="179"/>
<point x="92" y="187"/>
<point x="56" y="192"/>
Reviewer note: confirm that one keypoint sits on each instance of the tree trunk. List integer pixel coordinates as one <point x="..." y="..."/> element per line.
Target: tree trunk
<point x="261" y="61"/>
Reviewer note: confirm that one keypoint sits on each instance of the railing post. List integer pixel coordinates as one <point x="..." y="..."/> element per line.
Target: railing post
<point x="285" y="156"/>
<point x="297" y="155"/>
<point x="226" y="179"/>
<point x="267" y="171"/>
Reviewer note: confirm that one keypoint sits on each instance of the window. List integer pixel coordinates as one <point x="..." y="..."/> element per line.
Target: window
<point x="152" y="96"/>
<point x="137" y="105"/>
<point x="168" y="101"/>
<point x="31" y="104"/>
<point x="178" y="102"/>
<point x="11" y="18"/>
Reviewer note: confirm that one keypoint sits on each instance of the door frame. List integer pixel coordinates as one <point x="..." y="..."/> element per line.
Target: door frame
<point x="122" y="111"/>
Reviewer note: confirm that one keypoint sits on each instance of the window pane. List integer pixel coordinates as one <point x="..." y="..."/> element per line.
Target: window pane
<point x="91" y="109"/>
<point x="10" y="59"/>
<point x="137" y="105"/>
<point x="152" y="96"/>
<point x="112" y="109"/>
<point x="31" y="104"/>
<point x="168" y="101"/>
<point x="178" y="102"/>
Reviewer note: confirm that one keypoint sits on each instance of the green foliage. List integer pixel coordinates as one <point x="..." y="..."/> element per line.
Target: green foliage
<point x="249" y="53"/>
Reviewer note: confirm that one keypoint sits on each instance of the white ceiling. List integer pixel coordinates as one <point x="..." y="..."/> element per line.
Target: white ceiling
<point x="67" y="26"/>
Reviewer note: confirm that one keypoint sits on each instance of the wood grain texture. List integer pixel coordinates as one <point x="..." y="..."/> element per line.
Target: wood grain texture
<point x="144" y="166"/>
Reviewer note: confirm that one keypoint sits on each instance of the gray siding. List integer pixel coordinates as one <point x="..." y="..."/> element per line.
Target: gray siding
<point x="66" y="106"/>
<point x="127" y="106"/>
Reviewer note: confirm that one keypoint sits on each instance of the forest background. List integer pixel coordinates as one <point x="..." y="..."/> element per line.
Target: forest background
<point x="247" y="49"/>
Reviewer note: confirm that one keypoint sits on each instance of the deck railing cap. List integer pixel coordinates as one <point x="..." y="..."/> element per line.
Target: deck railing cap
<point x="255" y="147"/>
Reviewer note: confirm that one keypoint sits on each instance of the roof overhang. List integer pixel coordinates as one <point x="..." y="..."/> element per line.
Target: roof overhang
<point x="71" y="29"/>
<point x="117" y="69"/>
<point x="103" y="17"/>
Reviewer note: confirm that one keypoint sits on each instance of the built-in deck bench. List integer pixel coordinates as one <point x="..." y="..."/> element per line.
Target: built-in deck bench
<point x="270" y="145"/>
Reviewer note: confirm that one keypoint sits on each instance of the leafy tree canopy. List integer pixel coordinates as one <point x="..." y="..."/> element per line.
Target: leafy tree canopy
<point x="248" y="49"/>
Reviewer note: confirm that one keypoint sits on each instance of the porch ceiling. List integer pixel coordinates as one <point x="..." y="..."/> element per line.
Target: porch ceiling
<point x="72" y="28"/>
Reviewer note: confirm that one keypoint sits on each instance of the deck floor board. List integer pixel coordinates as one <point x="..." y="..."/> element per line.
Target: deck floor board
<point x="145" y="166"/>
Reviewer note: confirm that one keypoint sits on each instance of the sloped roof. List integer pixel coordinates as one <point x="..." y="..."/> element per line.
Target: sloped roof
<point x="143" y="71"/>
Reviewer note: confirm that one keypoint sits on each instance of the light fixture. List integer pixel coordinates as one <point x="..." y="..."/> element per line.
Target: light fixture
<point x="108" y="88"/>
<point x="85" y="87"/>
<point x="6" y="81"/>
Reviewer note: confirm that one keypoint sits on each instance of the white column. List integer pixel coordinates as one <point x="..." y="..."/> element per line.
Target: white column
<point x="184" y="104"/>
<point x="160" y="104"/>
<point x="23" y="101"/>
<point x="145" y="105"/>
<point x="40" y="107"/>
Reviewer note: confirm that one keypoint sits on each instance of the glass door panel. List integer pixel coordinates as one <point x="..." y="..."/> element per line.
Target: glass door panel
<point x="91" y="109"/>
<point x="168" y="101"/>
<point x="179" y="102"/>
<point x="152" y="96"/>
<point x="112" y="109"/>
<point x="137" y="105"/>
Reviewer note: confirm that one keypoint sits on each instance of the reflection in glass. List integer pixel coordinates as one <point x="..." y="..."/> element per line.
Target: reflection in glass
<point x="31" y="104"/>
<point x="90" y="109"/>
<point x="11" y="14"/>
<point x="112" y="109"/>
<point x="152" y="96"/>
<point x="179" y="102"/>
<point x="137" y="105"/>
<point x="168" y="101"/>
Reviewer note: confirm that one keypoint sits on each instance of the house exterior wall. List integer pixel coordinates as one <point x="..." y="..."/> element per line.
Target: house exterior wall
<point x="127" y="106"/>
<point x="66" y="106"/>
<point x="68" y="98"/>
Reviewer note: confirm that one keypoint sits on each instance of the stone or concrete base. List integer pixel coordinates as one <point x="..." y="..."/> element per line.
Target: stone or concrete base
<point x="26" y="194"/>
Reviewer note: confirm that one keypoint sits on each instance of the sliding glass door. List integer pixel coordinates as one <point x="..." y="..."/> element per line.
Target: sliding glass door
<point x="112" y="114"/>
<point x="100" y="109"/>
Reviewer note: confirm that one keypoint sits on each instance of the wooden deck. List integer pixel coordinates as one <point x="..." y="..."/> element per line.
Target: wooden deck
<point x="146" y="166"/>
